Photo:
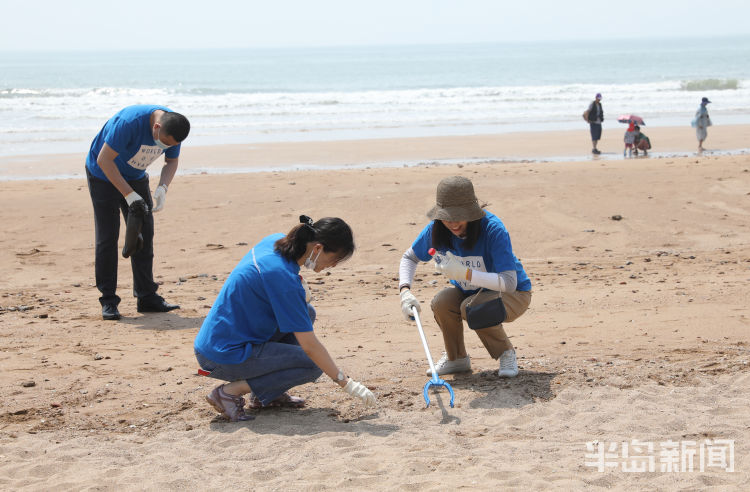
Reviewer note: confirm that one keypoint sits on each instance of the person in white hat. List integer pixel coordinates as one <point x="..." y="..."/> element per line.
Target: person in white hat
<point x="489" y="286"/>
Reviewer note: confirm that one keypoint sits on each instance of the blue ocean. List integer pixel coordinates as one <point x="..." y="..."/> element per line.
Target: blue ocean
<point x="55" y="102"/>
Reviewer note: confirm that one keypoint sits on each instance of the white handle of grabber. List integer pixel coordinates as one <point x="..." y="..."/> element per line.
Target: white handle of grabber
<point x="415" y="313"/>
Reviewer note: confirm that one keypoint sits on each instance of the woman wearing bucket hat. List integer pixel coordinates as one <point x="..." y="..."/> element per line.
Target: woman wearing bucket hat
<point x="488" y="284"/>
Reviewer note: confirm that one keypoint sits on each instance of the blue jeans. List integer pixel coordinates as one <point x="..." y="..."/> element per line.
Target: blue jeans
<point x="272" y="368"/>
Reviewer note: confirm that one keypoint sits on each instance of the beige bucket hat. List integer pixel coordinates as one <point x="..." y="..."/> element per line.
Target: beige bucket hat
<point x="456" y="201"/>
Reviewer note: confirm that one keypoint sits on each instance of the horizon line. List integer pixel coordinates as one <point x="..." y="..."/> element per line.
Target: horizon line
<point x="680" y="37"/>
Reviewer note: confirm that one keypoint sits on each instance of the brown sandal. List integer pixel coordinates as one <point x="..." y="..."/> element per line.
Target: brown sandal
<point x="232" y="407"/>
<point x="285" y="400"/>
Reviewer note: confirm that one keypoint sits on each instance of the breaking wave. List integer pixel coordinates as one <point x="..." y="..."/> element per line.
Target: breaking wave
<point x="710" y="85"/>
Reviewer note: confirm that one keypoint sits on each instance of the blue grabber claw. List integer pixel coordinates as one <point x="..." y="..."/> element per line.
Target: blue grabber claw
<point x="435" y="381"/>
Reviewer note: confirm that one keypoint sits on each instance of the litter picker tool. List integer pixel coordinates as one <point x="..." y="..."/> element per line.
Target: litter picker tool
<point x="435" y="381"/>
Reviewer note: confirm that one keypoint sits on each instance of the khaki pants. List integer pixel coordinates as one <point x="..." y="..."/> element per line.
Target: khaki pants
<point x="449" y="309"/>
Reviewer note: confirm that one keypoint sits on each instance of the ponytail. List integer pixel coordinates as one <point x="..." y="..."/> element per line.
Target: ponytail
<point x="333" y="233"/>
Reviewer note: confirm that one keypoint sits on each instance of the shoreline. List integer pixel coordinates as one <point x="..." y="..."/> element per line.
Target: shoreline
<point x="519" y="147"/>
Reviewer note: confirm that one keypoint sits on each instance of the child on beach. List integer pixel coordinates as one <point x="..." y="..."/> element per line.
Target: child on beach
<point x="629" y="140"/>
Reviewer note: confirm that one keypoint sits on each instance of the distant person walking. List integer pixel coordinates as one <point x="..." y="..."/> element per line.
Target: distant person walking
<point x="595" y="115"/>
<point x="701" y="123"/>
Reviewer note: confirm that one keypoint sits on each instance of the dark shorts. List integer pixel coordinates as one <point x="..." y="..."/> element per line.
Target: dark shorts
<point x="596" y="131"/>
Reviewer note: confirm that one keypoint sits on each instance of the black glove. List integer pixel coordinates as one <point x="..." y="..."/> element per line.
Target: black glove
<point x="133" y="237"/>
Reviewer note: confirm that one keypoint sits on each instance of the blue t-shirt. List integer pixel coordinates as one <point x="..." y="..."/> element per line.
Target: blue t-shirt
<point x="261" y="296"/>
<point x="492" y="252"/>
<point x="129" y="134"/>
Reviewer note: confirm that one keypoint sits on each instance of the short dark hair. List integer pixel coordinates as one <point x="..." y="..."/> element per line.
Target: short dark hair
<point x="333" y="233"/>
<point x="442" y="237"/>
<point x="175" y="125"/>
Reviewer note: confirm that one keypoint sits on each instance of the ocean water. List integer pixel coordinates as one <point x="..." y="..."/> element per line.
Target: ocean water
<point x="55" y="102"/>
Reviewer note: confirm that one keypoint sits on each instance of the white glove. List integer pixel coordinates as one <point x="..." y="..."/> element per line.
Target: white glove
<point x="132" y="197"/>
<point x="360" y="391"/>
<point x="407" y="301"/>
<point x="308" y="294"/>
<point x="451" y="267"/>
<point x="160" y="196"/>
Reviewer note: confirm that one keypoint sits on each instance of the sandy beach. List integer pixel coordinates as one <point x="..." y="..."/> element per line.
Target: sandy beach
<point x="637" y="329"/>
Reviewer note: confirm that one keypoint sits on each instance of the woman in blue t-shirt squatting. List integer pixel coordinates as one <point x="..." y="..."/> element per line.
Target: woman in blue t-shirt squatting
<point x="258" y="335"/>
<point x="488" y="284"/>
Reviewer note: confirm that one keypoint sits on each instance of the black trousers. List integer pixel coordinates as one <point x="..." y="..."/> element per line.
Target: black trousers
<point x="108" y="204"/>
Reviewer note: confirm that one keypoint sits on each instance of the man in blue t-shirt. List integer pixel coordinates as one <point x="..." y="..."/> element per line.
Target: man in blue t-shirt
<point x="116" y="171"/>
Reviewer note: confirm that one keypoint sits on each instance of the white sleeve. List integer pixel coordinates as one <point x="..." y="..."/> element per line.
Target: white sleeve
<point x="407" y="268"/>
<point x="506" y="281"/>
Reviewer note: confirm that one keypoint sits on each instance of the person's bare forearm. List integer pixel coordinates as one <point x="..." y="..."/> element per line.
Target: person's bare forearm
<point x="109" y="168"/>
<point x="168" y="171"/>
<point x="106" y="161"/>
<point x="318" y="353"/>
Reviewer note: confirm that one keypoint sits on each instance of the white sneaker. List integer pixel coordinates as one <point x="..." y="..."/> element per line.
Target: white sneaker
<point x="445" y="366"/>
<point x="508" y="364"/>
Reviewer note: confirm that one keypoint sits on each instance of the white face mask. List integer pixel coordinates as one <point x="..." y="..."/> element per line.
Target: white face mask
<point x="310" y="263"/>
<point x="159" y="143"/>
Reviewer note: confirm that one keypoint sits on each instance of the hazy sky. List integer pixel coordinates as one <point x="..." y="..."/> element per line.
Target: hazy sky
<point x="163" y="24"/>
